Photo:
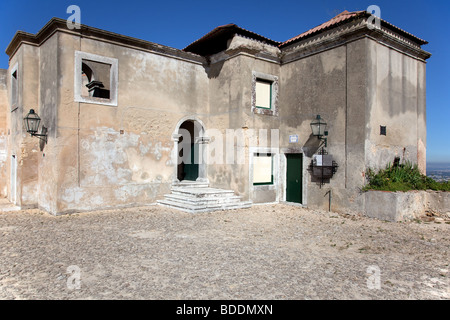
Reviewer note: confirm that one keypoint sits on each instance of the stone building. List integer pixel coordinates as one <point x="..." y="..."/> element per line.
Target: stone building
<point x="123" y="117"/>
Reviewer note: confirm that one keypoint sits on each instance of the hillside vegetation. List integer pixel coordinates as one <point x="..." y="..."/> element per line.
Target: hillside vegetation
<point x="402" y="177"/>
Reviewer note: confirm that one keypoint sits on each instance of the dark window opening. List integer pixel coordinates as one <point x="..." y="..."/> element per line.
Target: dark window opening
<point x="95" y="79"/>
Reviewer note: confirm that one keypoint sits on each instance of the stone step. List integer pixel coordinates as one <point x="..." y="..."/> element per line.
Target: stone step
<point x="241" y="205"/>
<point x="191" y="184"/>
<point x="203" y="208"/>
<point x="181" y="205"/>
<point x="202" y="200"/>
<point x="202" y="192"/>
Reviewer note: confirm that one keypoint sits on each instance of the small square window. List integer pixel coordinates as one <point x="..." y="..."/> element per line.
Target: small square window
<point x="262" y="169"/>
<point x="263" y="91"/>
<point x="96" y="79"/>
<point x="264" y="94"/>
<point x="382" y="130"/>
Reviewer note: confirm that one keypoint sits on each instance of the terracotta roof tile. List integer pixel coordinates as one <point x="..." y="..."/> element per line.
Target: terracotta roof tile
<point x="343" y="16"/>
<point x="215" y="40"/>
<point x="346" y="16"/>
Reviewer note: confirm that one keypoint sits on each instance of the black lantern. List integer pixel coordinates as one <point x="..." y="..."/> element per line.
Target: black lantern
<point x="318" y="127"/>
<point x="32" y="122"/>
<point x="322" y="167"/>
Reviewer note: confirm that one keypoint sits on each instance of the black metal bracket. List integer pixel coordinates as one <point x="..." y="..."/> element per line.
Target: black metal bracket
<point x="42" y="136"/>
<point x="323" y="172"/>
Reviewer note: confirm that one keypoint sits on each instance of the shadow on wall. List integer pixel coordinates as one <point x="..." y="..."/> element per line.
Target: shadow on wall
<point x="42" y="142"/>
<point x="213" y="70"/>
<point x="399" y="95"/>
<point x="311" y="146"/>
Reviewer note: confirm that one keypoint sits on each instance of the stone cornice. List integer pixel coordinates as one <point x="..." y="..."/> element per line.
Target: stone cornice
<point x="59" y="25"/>
<point x="325" y="40"/>
<point x="347" y="33"/>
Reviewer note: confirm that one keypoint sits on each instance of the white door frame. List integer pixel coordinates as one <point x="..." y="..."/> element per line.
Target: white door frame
<point x="13" y="182"/>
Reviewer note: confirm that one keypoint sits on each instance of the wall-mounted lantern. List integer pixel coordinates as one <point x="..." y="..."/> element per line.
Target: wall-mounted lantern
<point x="319" y="128"/>
<point x="32" y="122"/>
<point x="322" y="166"/>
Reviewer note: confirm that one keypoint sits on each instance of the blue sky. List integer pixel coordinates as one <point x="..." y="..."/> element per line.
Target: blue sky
<point x="177" y="23"/>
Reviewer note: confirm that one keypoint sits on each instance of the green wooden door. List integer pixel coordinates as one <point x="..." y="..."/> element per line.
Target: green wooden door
<point x="294" y="177"/>
<point x="191" y="169"/>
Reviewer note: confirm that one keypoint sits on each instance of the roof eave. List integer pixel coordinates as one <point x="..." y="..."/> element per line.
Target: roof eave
<point x="359" y="15"/>
<point x="219" y="35"/>
<point x="58" y="24"/>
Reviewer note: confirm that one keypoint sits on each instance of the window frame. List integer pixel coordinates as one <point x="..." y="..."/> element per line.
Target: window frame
<point x="273" y="80"/>
<point x="270" y="83"/>
<point x="259" y="154"/>
<point x="113" y="78"/>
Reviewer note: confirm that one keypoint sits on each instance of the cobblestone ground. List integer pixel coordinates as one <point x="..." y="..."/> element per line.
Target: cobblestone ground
<point x="266" y="252"/>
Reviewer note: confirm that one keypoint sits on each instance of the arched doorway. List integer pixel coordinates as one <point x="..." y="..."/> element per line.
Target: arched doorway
<point x="190" y="150"/>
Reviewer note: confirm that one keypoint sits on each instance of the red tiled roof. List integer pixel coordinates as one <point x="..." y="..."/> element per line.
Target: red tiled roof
<point x="343" y="16"/>
<point x="346" y="16"/>
<point x="215" y="41"/>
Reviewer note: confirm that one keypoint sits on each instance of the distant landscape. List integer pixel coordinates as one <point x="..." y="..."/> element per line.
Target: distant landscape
<point x="439" y="171"/>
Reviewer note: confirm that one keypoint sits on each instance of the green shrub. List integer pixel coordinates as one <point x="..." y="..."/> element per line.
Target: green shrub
<point x="403" y="177"/>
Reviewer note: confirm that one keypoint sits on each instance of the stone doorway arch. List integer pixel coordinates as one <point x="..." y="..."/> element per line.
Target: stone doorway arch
<point x="190" y="146"/>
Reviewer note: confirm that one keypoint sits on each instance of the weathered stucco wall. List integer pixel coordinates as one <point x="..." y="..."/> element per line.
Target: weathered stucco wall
<point x="3" y="132"/>
<point x="356" y="88"/>
<point x="22" y="149"/>
<point x="396" y="101"/>
<point x="231" y="109"/>
<point x="15" y="130"/>
<point x="122" y="155"/>
<point x="29" y="157"/>
<point x="330" y="83"/>
<point x="121" y="151"/>
<point x="48" y="101"/>
<point x="403" y="206"/>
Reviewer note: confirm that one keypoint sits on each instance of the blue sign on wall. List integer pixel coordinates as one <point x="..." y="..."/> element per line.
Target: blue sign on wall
<point x="293" y="138"/>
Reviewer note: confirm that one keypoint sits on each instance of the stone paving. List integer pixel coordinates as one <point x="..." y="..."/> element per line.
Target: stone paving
<point x="265" y="252"/>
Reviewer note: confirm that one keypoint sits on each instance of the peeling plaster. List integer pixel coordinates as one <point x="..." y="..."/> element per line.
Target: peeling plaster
<point x="104" y="154"/>
<point x="72" y="195"/>
<point x="3" y="149"/>
<point x="129" y="166"/>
